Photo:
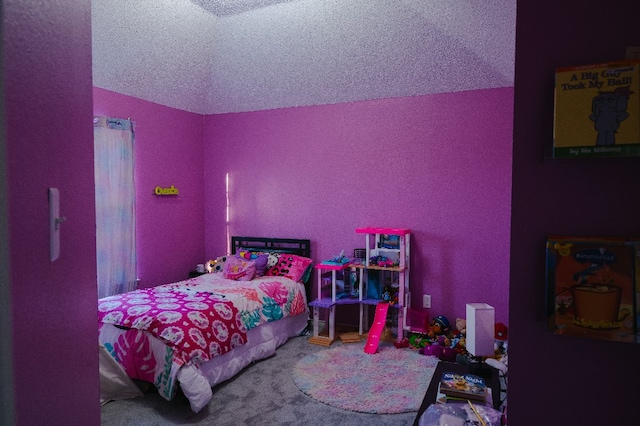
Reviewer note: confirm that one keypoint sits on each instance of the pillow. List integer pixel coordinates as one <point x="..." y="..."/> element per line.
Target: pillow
<point x="239" y="269"/>
<point x="307" y="274"/>
<point x="261" y="260"/>
<point x="291" y="266"/>
<point x="271" y="255"/>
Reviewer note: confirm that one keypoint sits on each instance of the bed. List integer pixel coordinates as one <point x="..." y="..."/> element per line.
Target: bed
<point x="197" y="333"/>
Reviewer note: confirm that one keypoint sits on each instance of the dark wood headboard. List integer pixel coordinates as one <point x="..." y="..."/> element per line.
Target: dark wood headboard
<point x="285" y="245"/>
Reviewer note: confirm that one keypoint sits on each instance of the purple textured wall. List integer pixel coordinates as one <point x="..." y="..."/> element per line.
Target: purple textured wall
<point x="439" y="165"/>
<point x="555" y="379"/>
<point x="168" y="150"/>
<point x="47" y="87"/>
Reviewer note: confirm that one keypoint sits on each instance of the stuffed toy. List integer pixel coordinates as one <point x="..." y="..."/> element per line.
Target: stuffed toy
<point x="438" y="333"/>
<point x="501" y="332"/>
<point x="215" y="265"/>
<point x="438" y="326"/>
<point x="458" y="341"/>
<point x="210" y="265"/>
<point x="500" y="340"/>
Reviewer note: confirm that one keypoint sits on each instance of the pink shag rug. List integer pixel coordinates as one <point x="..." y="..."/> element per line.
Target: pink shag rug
<point x="390" y="381"/>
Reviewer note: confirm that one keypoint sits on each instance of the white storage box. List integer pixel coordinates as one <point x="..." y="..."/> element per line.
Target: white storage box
<point x="480" y="329"/>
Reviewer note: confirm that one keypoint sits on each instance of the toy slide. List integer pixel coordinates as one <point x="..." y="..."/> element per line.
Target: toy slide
<point x="375" y="332"/>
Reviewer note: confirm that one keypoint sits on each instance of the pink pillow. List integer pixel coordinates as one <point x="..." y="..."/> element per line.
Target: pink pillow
<point x="291" y="266"/>
<point x="239" y="269"/>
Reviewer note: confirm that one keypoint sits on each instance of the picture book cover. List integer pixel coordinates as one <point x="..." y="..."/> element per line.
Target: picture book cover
<point x="597" y="110"/>
<point x="469" y="386"/>
<point x="444" y="399"/>
<point x="592" y="287"/>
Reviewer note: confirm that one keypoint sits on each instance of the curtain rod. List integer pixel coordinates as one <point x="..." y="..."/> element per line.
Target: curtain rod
<point x="113" y="123"/>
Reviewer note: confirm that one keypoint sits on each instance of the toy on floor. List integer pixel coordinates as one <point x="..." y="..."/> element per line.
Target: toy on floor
<point x="449" y="343"/>
<point x="439" y="326"/>
<point x="500" y="340"/>
<point x="461" y="326"/>
<point x="439" y="342"/>
<point x="501" y="359"/>
<point x="458" y="340"/>
<point x="440" y="350"/>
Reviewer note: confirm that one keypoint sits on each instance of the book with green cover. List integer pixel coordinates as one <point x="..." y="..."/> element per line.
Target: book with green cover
<point x="597" y="110"/>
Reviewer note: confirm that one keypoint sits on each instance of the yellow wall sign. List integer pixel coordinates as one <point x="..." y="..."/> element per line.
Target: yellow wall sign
<point x="172" y="190"/>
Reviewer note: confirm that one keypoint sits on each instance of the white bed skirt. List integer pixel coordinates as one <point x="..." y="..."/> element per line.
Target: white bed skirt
<point x="196" y="383"/>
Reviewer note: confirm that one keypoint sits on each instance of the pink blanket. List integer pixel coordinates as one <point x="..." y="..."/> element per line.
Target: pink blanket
<point x="154" y="332"/>
<point x="197" y="325"/>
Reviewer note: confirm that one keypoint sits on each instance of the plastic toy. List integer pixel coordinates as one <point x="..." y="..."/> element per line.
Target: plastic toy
<point x="355" y="289"/>
<point x="337" y="260"/>
<point x="440" y="351"/>
<point x="375" y="332"/>
<point x="404" y="343"/>
<point x="386" y="294"/>
<point x="433" y="350"/>
<point x="381" y="261"/>
<point x="417" y="340"/>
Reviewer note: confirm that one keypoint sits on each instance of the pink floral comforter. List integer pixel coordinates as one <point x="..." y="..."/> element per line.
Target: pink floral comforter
<point x="153" y="332"/>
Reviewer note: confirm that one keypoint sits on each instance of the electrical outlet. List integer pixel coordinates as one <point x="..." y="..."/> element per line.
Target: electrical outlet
<point x="426" y="301"/>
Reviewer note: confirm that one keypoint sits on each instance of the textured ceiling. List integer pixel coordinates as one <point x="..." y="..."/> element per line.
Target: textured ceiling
<point x="232" y="7"/>
<point x="218" y="56"/>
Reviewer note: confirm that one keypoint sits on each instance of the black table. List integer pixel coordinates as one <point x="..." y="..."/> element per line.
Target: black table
<point x="490" y="375"/>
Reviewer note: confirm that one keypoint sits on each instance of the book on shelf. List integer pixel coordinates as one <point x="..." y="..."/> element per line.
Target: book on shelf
<point x="593" y="285"/>
<point x="463" y="387"/>
<point x="597" y="110"/>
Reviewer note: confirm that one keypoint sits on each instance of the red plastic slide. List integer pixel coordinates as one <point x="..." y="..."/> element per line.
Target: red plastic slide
<point x="375" y="332"/>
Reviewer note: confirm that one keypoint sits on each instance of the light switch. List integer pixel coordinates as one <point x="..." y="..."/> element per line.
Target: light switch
<point x="54" y="224"/>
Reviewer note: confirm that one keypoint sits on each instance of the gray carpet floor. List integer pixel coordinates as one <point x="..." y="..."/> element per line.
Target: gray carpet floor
<point x="256" y="396"/>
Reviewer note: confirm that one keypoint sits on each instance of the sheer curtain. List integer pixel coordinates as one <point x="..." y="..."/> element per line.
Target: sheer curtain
<point x="115" y="205"/>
